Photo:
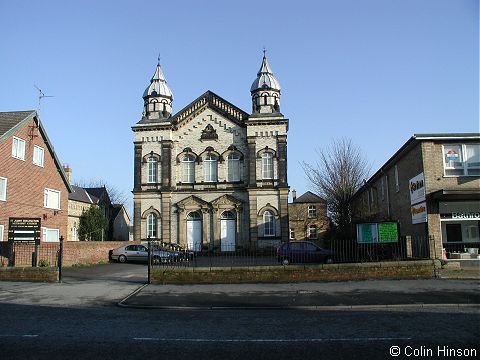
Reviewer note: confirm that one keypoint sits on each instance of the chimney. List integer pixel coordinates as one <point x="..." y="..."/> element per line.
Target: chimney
<point x="68" y="172"/>
<point x="294" y="195"/>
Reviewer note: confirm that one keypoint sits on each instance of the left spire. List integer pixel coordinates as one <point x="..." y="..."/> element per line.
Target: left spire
<point x="158" y="97"/>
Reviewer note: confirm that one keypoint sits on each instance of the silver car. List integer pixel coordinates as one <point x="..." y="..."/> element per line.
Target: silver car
<point x="139" y="253"/>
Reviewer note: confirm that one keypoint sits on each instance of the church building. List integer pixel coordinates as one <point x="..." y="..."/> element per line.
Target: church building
<point x="212" y="176"/>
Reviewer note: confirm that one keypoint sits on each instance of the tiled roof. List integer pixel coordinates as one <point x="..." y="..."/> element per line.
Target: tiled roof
<point x="308" y="197"/>
<point x="80" y="194"/>
<point x="8" y="120"/>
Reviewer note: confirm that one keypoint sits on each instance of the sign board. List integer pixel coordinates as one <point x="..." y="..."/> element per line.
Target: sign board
<point x="372" y="233"/>
<point x="419" y="213"/>
<point x="463" y="215"/>
<point x="417" y="189"/>
<point x="25" y="230"/>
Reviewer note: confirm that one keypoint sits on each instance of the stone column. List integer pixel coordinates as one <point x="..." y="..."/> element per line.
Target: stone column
<point x="166" y="164"/>
<point x="252" y="162"/>
<point x="252" y="214"/>
<point x="166" y="217"/>
<point x="205" y="226"/>
<point x="283" y="209"/>
<point x="137" y="219"/>
<point x="282" y="159"/>
<point x="137" y="166"/>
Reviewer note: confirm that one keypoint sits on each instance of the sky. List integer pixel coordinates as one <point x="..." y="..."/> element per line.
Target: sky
<point x="373" y="71"/>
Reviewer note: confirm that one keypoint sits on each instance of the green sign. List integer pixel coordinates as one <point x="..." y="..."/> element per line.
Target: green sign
<point x="387" y="232"/>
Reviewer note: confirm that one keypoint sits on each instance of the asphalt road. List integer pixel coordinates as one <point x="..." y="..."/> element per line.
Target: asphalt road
<point x="37" y="332"/>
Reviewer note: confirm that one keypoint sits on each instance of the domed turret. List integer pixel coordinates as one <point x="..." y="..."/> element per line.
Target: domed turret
<point x="158" y="97"/>
<point x="265" y="91"/>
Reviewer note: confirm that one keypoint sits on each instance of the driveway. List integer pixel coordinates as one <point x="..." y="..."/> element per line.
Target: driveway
<point x="129" y="273"/>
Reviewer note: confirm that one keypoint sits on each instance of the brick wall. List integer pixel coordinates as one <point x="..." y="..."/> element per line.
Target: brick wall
<point x="89" y="252"/>
<point x="26" y="183"/>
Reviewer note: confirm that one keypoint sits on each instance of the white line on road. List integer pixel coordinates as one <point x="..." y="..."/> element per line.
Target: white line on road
<point x="370" y="339"/>
<point x="25" y="336"/>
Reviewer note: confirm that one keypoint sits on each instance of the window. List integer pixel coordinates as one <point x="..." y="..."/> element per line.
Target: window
<point x="52" y="199"/>
<point x="74" y="232"/>
<point x="152" y="170"/>
<point x="51" y="235"/>
<point x="3" y="189"/>
<point x="461" y="160"/>
<point x="210" y="167"/>
<point x="269" y="223"/>
<point x="233" y="167"/>
<point x="292" y="234"/>
<point x="38" y="155"/>
<point x="152" y="225"/>
<point x="312" y="211"/>
<point x="312" y="232"/>
<point x="267" y="166"/>
<point x="2" y="229"/>
<point x="18" y="148"/>
<point x="397" y="184"/>
<point x="188" y="169"/>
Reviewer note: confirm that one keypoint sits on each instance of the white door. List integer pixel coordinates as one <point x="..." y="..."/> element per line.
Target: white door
<point x="227" y="235"/>
<point x="194" y="235"/>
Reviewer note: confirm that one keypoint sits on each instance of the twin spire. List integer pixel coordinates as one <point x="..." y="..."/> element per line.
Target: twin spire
<point x="158" y="96"/>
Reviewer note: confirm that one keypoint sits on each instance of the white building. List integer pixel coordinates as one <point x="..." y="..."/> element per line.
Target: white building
<point x="212" y="176"/>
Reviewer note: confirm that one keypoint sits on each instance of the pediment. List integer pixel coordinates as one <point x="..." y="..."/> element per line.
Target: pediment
<point x="226" y="200"/>
<point x="210" y="100"/>
<point x="191" y="202"/>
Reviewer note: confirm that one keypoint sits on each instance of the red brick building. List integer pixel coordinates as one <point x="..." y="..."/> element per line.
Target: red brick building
<point x="32" y="181"/>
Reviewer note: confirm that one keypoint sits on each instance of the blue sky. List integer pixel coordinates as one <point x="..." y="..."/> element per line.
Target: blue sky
<point x="375" y="71"/>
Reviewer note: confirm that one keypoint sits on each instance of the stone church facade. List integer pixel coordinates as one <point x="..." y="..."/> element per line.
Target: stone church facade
<point x="212" y="176"/>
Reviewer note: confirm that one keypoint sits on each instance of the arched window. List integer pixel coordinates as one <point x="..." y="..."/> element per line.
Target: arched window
<point x="210" y="168"/>
<point x="269" y="223"/>
<point x="267" y="165"/>
<point x="188" y="169"/>
<point x="228" y="215"/>
<point x="152" y="225"/>
<point x="152" y="170"/>
<point x="233" y="163"/>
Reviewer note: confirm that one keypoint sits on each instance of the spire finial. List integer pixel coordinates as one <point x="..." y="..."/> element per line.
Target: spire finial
<point x="264" y="51"/>
<point x="158" y="58"/>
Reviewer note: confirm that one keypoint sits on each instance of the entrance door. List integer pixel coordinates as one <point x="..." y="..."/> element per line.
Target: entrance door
<point x="454" y="232"/>
<point x="194" y="231"/>
<point x="228" y="228"/>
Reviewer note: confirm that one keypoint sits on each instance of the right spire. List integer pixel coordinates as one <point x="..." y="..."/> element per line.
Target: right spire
<point x="265" y="90"/>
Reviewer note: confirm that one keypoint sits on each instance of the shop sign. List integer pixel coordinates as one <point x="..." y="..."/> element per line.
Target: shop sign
<point x="466" y="215"/>
<point x="419" y="213"/>
<point x="452" y="155"/>
<point x="417" y="189"/>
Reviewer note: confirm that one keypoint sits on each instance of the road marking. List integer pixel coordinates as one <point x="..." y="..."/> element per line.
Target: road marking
<point x="369" y="339"/>
<point x="25" y="336"/>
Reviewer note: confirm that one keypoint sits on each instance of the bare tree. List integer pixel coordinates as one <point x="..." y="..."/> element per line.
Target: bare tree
<point x="337" y="174"/>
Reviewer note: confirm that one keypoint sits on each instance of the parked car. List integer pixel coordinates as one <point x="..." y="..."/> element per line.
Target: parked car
<point x="184" y="253"/>
<point x="139" y="253"/>
<point x="303" y="252"/>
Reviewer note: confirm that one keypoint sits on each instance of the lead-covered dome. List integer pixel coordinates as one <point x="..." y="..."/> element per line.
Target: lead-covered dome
<point x="158" y="85"/>
<point x="265" y="79"/>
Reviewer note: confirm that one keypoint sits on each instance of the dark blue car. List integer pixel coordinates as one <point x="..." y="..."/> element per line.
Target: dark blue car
<point x="303" y="252"/>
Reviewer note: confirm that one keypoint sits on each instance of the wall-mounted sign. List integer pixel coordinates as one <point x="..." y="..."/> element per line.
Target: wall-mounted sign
<point x="25" y="230"/>
<point x="419" y="213"/>
<point x="377" y="233"/>
<point x="452" y="155"/>
<point x="465" y="215"/>
<point x="417" y="189"/>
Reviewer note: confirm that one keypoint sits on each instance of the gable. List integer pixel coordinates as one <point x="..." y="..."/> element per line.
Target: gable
<point x="214" y="102"/>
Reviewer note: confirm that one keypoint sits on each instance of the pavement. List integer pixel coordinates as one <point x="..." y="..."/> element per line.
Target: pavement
<point x="335" y="295"/>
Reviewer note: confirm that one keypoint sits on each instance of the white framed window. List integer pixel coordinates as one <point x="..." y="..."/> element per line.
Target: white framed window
<point x="210" y="168"/>
<point x="152" y="170"/>
<point x="3" y="189"/>
<point x="152" y="225"/>
<point x="74" y="232"/>
<point x="269" y="223"/>
<point x="233" y="163"/>
<point x="292" y="234"/>
<point x="312" y="211"/>
<point x="2" y="229"/>
<point x="397" y="183"/>
<point x="18" y="148"/>
<point x="312" y="232"/>
<point x="461" y="159"/>
<point x="50" y="235"/>
<point x="51" y="199"/>
<point x="267" y="166"/>
<point x="188" y="169"/>
<point x="38" y="155"/>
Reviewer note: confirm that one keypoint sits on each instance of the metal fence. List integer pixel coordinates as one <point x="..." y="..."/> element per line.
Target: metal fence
<point x="26" y="254"/>
<point x="336" y="251"/>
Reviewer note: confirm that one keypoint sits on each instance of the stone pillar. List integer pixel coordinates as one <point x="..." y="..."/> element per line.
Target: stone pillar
<point x="205" y="227"/>
<point x="282" y="159"/>
<point x="252" y="162"/>
<point x="137" y="219"/>
<point x="166" y="217"/>
<point x="283" y="209"/>
<point x="166" y="164"/>
<point x="252" y="214"/>
<point x="137" y="166"/>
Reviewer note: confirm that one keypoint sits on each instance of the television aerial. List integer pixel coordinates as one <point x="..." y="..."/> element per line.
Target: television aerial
<point x="41" y="95"/>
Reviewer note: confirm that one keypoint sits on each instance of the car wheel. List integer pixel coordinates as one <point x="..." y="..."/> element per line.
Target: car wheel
<point x="156" y="260"/>
<point x="122" y="259"/>
<point x="285" y="262"/>
<point x="328" y="260"/>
